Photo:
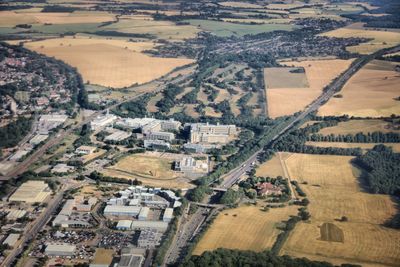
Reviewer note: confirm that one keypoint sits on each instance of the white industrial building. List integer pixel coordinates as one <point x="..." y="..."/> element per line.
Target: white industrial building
<point x="124" y="225"/>
<point x="75" y="214"/>
<point x="50" y="121"/>
<point x="131" y="258"/>
<point x="117" y="135"/>
<point x="11" y="240"/>
<point x="15" y="214"/>
<point x="102" y="121"/>
<point x="37" y="139"/>
<point x="31" y="192"/>
<point x="168" y="215"/>
<point x="158" y="225"/>
<point x="62" y="168"/>
<point x="60" y="250"/>
<point x="144" y="213"/>
<point x="85" y="150"/>
<point x="114" y="210"/>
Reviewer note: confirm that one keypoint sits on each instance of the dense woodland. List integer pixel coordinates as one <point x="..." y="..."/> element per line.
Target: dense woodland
<point x="236" y="258"/>
<point x="383" y="170"/>
<point x="12" y="133"/>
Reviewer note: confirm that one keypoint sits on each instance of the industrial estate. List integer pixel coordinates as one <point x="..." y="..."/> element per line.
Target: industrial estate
<point x="138" y="133"/>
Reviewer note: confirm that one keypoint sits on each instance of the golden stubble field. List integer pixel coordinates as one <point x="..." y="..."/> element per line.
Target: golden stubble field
<point x="244" y="228"/>
<point x="364" y="146"/>
<point x="356" y="126"/>
<point x="369" y="93"/>
<point x="34" y="16"/>
<point x="286" y="101"/>
<point x="381" y="38"/>
<point x="114" y="63"/>
<point x="334" y="191"/>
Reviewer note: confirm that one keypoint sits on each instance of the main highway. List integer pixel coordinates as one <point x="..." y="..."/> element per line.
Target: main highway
<point x="234" y="175"/>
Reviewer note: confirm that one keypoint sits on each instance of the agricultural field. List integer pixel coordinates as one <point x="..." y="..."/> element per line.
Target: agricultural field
<point x="258" y="229"/>
<point x="12" y="18"/>
<point x="356" y="126"/>
<point x="332" y="186"/>
<point x="240" y="4"/>
<point x="380" y="38"/>
<point x="364" y="146"/>
<point x="288" y="100"/>
<point x="371" y="92"/>
<point x="225" y="29"/>
<point x="273" y="167"/>
<point x="146" y="25"/>
<point x="112" y="63"/>
<point x="285" y="78"/>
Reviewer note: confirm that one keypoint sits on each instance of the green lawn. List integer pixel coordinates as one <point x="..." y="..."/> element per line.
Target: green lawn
<point x="225" y="29"/>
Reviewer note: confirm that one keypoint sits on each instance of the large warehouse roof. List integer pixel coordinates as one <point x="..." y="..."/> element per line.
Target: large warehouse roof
<point x="31" y="191"/>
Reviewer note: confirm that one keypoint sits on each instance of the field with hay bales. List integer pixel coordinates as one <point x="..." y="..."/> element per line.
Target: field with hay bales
<point x="114" y="63"/>
<point x="288" y="100"/>
<point x="333" y="188"/>
<point x="371" y="92"/>
<point x="245" y="228"/>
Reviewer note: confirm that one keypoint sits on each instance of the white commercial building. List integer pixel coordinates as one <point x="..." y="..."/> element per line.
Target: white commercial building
<point x="61" y="250"/>
<point x="166" y="136"/>
<point x="209" y="133"/>
<point x="114" y="210"/>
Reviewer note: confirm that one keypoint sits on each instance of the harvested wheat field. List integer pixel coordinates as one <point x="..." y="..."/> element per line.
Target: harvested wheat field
<point x="244" y="228"/>
<point x="114" y="63"/>
<point x="381" y="39"/>
<point x="12" y="18"/>
<point x="273" y="167"/>
<point x="286" y="101"/>
<point x="369" y="93"/>
<point x="146" y="25"/>
<point x="364" y="146"/>
<point x="356" y="126"/>
<point x="334" y="191"/>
